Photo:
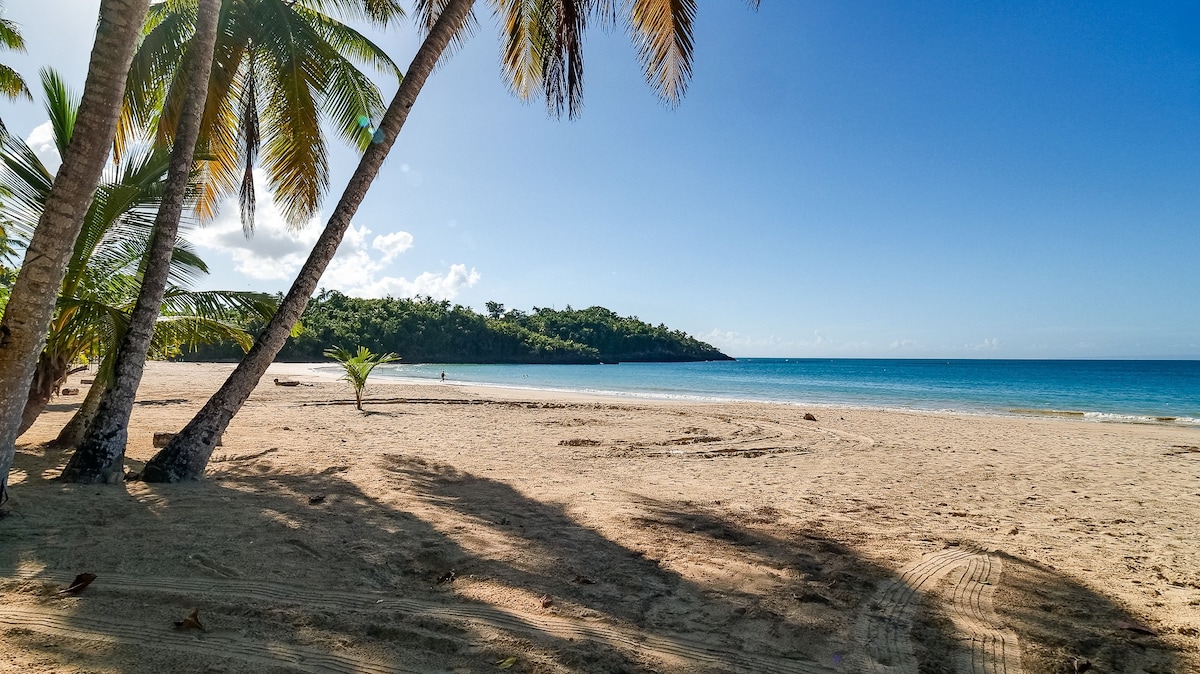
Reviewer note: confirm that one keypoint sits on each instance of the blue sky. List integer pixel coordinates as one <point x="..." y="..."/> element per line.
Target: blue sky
<point x="875" y="179"/>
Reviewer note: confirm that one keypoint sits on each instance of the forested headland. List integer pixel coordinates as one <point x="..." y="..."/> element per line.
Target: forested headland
<point x="425" y="330"/>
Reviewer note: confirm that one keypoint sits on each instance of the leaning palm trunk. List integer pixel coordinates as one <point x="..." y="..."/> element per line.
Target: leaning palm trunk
<point x="73" y="433"/>
<point x="187" y="454"/>
<point x="31" y="304"/>
<point x="101" y="456"/>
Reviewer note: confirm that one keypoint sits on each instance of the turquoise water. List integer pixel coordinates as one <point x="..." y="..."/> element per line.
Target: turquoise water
<point x="1144" y="390"/>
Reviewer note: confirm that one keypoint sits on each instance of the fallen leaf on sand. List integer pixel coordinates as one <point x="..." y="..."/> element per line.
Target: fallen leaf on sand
<point x="507" y="662"/>
<point x="192" y="622"/>
<point x="81" y="581"/>
<point x="1136" y="627"/>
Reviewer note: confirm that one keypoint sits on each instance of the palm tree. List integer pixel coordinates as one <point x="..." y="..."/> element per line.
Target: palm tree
<point x="11" y="83"/>
<point x="280" y="69"/>
<point x="31" y="302"/>
<point x="100" y="457"/>
<point x="294" y="61"/>
<point x="358" y="367"/>
<point x="542" y="51"/>
<point x="104" y="271"/>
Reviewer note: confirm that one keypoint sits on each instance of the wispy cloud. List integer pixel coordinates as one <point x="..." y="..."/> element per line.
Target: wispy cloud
<point x="989" y="344"/>
<point x="819" y="345"/>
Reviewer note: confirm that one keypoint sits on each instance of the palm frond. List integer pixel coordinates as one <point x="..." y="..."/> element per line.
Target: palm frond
<point x="173" y="332"/>
<point x="10" y="36"/>
<point x="293" y="152"/>
<point x="526" y="36"/>
<point x="207" y="317"/>
<point x="12" y="85"/>
<point x="378" y="12"/>
<point x="168" y="28"/>
<point x="662" y="34"/>
<point x="349" y="98"/>
<point x="25" y="184"/>
<point x="61" y="106"/>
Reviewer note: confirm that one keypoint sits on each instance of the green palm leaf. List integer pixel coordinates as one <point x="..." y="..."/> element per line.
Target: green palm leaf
<point x="280" y="68"/>
<point x="11" y="83"/>
<point x="104" y="273"/>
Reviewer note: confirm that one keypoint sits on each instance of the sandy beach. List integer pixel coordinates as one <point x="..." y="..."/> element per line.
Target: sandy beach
<point x="464" y="529"/>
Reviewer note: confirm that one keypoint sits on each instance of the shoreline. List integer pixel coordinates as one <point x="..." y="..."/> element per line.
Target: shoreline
<point x="1089" y="416"/>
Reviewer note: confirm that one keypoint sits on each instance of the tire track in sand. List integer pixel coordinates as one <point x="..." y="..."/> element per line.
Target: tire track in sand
<point x="992" y="650"/>
<point x="675" y="649"/>
<point x="884" y="630"/>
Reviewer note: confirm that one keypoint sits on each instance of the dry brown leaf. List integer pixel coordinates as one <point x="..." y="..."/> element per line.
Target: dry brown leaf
<point x="192" y="622"/>
<point x="81" y="581"/>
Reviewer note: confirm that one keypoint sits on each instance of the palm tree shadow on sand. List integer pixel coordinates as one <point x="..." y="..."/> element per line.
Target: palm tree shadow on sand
<point x="444" y="571"/>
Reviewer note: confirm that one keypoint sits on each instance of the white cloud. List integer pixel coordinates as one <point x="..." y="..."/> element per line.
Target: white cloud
<point x="439" y="286"/>
<point x="392" y="244"/>
<point x="41" y="141"/>
<point x="276" y="252"/>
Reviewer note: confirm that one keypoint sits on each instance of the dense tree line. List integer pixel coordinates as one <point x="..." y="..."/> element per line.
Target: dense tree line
<point x="425" y="330"/>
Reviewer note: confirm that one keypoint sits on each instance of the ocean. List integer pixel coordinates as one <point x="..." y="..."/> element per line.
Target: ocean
<point x="1149" y="391"/>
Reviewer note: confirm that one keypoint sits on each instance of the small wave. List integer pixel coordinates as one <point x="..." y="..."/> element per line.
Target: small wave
<point x="1111" y="417"/>
<point x="1051" y="413"/>
<point x="1138" y="419"/>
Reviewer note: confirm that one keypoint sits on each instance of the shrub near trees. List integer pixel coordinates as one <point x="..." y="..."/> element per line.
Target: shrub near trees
<point x="425" y="330"/>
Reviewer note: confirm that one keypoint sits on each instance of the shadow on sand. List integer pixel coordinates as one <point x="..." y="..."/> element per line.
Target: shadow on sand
<point x="437" y="570"/>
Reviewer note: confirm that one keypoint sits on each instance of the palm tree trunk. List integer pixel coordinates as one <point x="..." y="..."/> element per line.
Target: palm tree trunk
<point x="187" y="454"/>
<point x="101" y="456"/>
<point x="31" y="304"/>
<point x="51" y="370"/>
<point x="73" y="433"/>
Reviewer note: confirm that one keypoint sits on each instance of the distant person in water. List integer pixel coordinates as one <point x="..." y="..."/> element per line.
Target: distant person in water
<point x="443" y="376"/>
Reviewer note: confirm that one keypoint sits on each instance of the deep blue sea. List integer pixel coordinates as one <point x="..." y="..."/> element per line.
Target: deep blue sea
<point x="1156" y="391"/>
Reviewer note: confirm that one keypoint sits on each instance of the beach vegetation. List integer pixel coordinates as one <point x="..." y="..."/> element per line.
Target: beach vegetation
<point x="33" y="297"/>
<point x="281" y="69"/>
<point x="104" y="271"/>
<point x="358" y="365"/>
<point x="435" y="331"/>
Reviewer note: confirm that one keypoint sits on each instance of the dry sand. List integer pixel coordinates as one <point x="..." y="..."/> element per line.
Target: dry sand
<point x="476" y="530"/>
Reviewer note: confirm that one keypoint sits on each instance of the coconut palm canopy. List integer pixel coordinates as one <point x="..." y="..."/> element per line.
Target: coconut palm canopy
<point x="103" y="275"/>
<point x="542" y="52"/>
<point x="280" y="69"/>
